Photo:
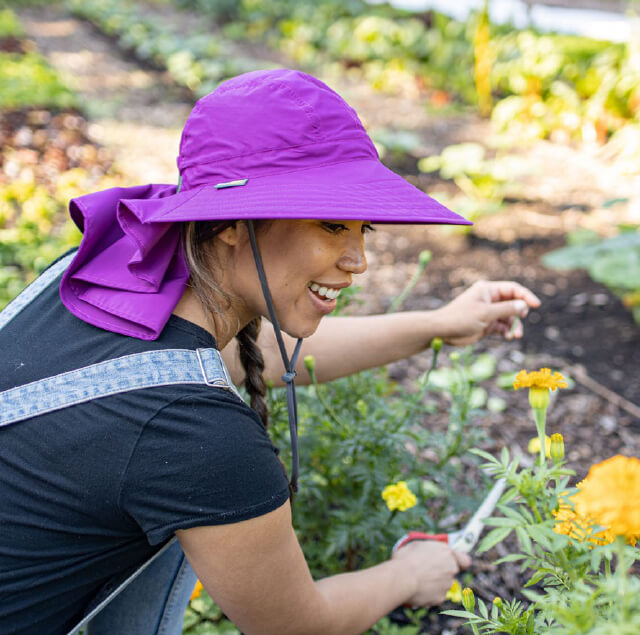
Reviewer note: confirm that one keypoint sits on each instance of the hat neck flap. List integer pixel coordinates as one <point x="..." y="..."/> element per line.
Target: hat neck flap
<point x="128" y="275"/>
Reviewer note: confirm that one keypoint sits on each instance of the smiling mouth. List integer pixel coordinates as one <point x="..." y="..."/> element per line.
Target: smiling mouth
<point x="324" y="293"/>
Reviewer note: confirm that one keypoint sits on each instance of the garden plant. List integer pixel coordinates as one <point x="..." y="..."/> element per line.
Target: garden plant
<point x="578" y="544"/>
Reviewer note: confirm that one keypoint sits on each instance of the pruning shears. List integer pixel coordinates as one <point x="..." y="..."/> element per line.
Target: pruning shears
<point x="465" y="539"/>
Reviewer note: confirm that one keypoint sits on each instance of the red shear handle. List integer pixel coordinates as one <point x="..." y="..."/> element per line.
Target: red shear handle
<point x="418" y="535"/>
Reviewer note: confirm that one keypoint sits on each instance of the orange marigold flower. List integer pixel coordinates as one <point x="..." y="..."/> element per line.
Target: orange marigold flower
<point x="196" y="591"/>
<point x="570" y="523"/>
<point x="610" y="495"/>
<point x="542" y="378"/>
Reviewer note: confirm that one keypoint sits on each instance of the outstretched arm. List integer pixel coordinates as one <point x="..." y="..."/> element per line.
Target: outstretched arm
<point x="345" y="345"/>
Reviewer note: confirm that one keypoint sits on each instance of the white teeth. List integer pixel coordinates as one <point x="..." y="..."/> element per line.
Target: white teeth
<point x="325" y="292"/>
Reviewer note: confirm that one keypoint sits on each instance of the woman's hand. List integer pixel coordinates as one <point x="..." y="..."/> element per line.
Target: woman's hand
<point x="485" y="308"/>
<point x="433" y="566"/>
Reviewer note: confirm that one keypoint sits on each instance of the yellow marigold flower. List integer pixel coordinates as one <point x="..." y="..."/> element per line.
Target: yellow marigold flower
<point x="539" y="379"/>
<point x="534" y="446"/>
<point x="539" y="382"/>
<point x="399" y="496"/>
<point x="468" y="599"/>
<point x="610" y="495"/>
<point x="196" y="591"/>
<point x="455" y="592"/>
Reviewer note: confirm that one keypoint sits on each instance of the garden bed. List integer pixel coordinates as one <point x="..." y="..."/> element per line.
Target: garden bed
<point x="582" y="329"/>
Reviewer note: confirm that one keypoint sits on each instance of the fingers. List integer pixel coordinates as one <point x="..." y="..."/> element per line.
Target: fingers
<point x="506" y="310"/>
<point x="507" y="290"/>
<point x="463" y="559"/>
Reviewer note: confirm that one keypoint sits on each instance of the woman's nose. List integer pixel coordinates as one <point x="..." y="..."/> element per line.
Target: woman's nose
<point x="354" y="259"/>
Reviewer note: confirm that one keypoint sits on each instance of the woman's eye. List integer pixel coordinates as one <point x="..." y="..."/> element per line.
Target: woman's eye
<point x="368" y="228"/>
<point x="334" y="228"/>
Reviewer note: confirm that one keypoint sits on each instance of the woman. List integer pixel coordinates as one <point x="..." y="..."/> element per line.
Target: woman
<point x="140" y="435"/>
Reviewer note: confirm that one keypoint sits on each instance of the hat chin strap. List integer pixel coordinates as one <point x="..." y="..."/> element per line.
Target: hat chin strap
<point x="289" y="364"/>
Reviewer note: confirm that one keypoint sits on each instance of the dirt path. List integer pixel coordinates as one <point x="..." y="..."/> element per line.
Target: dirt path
<point x="137" y="112"/>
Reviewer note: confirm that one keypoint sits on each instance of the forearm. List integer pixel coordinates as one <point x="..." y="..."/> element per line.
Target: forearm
<point x="355" y="601"/>
<point x="345" y="345"/>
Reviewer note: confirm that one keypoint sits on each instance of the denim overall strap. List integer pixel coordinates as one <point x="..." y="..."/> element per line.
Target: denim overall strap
<point x="130" y="372"/>
<point x="122" y="374"/>
<point x="34" y="289"/>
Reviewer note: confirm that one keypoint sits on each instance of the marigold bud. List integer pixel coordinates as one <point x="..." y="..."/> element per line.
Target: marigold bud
<point x="557" y="448"/>
<point x="425" y="257"/>
<point x="455" y="356"/>
<point x="497" y="602"/>
<point x="539" y="398"/>
<point x="309" y="362"/>
<point x="436" y="344"/>
<point x="468" y="599"/>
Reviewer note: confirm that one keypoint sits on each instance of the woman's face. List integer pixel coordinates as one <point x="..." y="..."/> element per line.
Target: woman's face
<point x="307" y="263"/>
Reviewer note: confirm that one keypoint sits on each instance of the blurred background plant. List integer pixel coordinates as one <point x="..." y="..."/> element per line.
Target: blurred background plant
<point x="46" y="159"/>
<point x="615" y="261"/>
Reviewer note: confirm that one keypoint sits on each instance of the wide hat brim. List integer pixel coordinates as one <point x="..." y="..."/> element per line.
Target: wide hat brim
<point x="357" y="190"/>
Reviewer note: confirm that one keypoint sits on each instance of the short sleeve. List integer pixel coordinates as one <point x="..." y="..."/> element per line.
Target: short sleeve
<point x="203" y="459"/>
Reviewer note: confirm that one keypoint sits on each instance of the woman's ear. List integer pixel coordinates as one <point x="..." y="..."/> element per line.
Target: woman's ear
<point x="229" y="236"/>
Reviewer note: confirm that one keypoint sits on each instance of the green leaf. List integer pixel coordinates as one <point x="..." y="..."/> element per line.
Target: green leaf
<point x="501" y="522"/>
<point x="493" y="538"/>
<point x="620" y="269"/>
<point x="524" y="539"/>
<point x="483" y="367"/>
<point x="485" y="455"/>
<point x="512" y="557"/>
<point x="477" y="397"/>
<point x="505" y="380"/>
<point x="463" y="614"/>
<point x="535" y="578"/>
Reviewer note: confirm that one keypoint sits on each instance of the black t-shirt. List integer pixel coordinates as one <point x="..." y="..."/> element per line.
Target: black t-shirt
<point x="89" y="492"/>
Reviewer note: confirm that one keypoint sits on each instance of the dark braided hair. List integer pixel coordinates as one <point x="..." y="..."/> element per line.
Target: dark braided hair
<point x="196" y="241"/>
<point x="253" y="364"/>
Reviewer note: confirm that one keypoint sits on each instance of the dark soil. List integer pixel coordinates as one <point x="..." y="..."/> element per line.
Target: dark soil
<point x="48" y="143"/>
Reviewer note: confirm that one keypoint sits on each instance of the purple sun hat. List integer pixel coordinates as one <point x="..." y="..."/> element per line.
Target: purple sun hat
<point x="266" y="144"/>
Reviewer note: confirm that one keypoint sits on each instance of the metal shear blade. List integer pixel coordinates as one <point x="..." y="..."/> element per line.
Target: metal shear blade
<point x="465" y="539"/>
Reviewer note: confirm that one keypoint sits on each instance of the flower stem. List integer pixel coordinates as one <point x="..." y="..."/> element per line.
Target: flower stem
<point x="434" y="362"/>
<point x="621" y="572"/>
<point x="540" y="416"/>
<point x="320" y="394"/>
<point x="404" y="294"/>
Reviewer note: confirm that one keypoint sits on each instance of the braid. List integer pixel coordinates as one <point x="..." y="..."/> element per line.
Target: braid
<point x="196" y="240"/>
<point x="253" y="364"/>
